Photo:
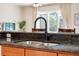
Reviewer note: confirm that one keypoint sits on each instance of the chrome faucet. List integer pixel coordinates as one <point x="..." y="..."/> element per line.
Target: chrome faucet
<point x="45" y="25"/>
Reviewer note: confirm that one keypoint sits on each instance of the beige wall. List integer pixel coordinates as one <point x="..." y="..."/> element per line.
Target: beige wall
<point x="28" y="16"/>
<point x="69" y="11"/>
<point x="14" y="13"/>
<point x="66" y="13"/>
<point x="10" y="13"/>
<point x="74" y="9"/>
<point x="49" y="7"/>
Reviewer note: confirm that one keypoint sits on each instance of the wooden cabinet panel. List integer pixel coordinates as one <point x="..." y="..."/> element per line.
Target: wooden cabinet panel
<point x="11" y="51"/>
<point x="68" y="54"/>
<point x="29" y="52"/>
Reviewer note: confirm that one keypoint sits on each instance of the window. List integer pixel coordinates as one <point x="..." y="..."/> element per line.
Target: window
<point x="8" y="26"/>
<point x="54" y="20"/>
<point x="62" y="23"/>
<point x="42" y="23"/>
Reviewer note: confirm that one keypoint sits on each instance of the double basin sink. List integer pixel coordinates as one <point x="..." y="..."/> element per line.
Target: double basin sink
<point x="36" y="44"/>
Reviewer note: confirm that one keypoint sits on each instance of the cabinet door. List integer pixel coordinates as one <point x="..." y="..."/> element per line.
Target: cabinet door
<point x="68" y="54"/>
<point x="0" y="50"/>
<point x="29" y="52"/>
<point x="12" y="51"/>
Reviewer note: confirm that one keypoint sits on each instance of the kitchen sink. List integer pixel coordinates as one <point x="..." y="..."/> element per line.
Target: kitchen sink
<point x="37" y="44"/>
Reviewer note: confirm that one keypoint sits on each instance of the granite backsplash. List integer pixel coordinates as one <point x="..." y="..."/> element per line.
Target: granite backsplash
<point x="19" y="36"/>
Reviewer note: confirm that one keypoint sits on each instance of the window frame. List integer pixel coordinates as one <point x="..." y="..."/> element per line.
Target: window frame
<point x="48" y="13"/>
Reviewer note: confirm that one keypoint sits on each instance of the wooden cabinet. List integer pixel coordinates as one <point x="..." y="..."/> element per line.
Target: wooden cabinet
<point x="68" y="54"/>
<point x="30" y="52"/>
<point x="12" y="51"/>
<point x="15" y="51"/>
<point x="0" y="50"/>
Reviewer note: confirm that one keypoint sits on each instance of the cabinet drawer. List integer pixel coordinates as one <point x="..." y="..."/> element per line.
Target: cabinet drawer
<point x="11" y="51"/>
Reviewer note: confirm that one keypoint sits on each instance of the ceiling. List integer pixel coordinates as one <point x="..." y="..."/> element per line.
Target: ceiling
<point x="25" y="4"/>
<point x="22" y="4"/>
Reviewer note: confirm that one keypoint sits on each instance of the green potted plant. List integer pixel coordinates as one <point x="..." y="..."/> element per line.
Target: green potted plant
<point x="22" y="25"/>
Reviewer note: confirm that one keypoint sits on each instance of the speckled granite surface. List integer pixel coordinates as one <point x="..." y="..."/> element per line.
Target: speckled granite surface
<point x="59" y="47"/>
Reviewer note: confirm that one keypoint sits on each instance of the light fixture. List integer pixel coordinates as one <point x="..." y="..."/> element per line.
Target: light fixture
<point x="37" y="4"/>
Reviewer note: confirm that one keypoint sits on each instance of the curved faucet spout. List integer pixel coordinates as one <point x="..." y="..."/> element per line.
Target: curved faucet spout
<point x="45" y="25"/>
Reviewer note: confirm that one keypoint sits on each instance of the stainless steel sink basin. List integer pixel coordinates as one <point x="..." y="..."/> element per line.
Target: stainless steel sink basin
<point x="37" y="44"/>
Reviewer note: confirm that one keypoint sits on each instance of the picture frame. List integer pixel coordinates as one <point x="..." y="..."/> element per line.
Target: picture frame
<point x="76" y="19"/>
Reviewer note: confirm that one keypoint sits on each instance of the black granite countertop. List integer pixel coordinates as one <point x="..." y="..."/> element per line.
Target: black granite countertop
<point x="64" y="46"/>
<point x="59" y="47"/>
